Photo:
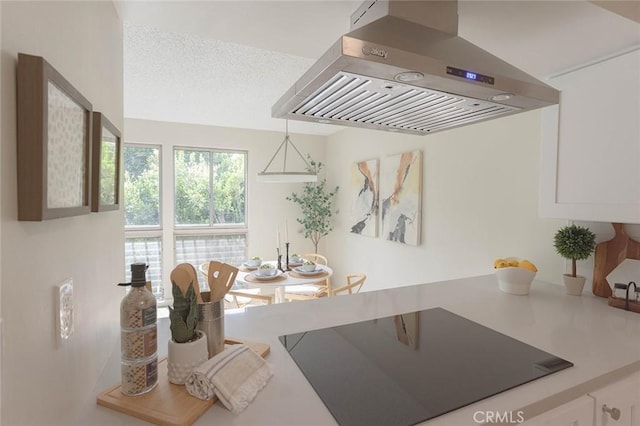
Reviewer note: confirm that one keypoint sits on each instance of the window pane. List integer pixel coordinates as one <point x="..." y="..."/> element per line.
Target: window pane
<point x="147" y="250"/>
<point x="228" y="187"/>
<point x="193" y="193"/>
<point x="196" y="249"/>
<point x="141" y="186"/>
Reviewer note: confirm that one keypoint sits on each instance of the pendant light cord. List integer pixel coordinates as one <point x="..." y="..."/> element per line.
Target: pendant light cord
<point x="285" y="143"/>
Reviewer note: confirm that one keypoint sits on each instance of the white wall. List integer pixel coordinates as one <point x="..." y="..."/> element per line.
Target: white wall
<point x="45" y="384"/>
<point x="480" y="195"/>
<point x="267" y="207"/>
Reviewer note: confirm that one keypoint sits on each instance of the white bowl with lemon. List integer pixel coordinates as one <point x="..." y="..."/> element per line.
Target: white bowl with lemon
<point x="515" y="276"/>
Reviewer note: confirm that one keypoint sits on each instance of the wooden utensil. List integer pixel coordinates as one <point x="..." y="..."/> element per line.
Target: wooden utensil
<point x="610" y="254"/>
<point x="194" y="277"/>
<point x="184" y="275"/>
<point x="221" y="278"/>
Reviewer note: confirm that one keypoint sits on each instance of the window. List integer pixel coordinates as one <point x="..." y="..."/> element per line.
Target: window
<point x="197" y="249"/>
<point x="147" y="250"/>
<point x="143" y="233"/>
<point x="203" y="218"/>
<point x="209" y="205"/>
<point x="141" y="186"/>
<point x="209" y="188"/>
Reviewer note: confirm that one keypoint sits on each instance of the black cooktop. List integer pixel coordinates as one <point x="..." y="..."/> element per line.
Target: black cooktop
<point x="405" y="369"/>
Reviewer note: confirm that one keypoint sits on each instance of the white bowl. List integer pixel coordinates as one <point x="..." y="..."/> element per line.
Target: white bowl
<point x="308" y="268"/>
<point x="254" y="263"/>
<point x="295" y="259"/>
<point x="264" y="272"/>
<point x="514" y="280"/>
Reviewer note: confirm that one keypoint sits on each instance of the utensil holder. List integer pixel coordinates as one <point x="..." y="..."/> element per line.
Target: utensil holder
<point x="211" y="323"/>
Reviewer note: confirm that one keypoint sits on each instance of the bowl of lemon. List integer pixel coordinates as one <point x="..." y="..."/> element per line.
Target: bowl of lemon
<point x="514" y="275"/>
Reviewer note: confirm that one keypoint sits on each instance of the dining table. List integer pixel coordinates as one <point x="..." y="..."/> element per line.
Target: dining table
<point x="276" y="285"/>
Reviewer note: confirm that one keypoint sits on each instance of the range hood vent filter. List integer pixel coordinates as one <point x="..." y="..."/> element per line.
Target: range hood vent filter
<point x="370" y="101"/>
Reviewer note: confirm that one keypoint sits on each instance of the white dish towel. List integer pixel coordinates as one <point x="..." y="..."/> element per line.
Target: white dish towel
<point x="235" y="375"/>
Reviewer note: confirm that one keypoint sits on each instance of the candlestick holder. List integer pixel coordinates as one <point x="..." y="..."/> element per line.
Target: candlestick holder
<point x="279" y="260"/>
<point x="287" y="258"/>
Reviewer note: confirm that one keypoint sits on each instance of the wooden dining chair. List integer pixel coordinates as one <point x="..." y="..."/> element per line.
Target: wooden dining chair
<point x="354" y="284"/>
<point x="321" y="288"/>
<point x="239" y="297"/>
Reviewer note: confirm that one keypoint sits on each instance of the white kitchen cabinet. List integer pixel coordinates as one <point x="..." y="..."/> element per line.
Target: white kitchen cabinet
<point x="578" y="412"/>
<point x="620" y="399"/>
<point x="622" y="396"/>
<point x="590" y="152"/>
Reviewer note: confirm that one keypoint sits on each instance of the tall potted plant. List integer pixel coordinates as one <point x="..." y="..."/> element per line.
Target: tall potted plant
<point x="316" y="203"/>
<point x="575" y="243"/>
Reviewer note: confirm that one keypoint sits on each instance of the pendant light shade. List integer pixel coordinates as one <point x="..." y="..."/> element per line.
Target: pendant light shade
<point x="285" y="176"/>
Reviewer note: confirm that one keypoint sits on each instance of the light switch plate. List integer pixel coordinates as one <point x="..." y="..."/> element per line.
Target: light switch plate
<point x="64" y="311"/>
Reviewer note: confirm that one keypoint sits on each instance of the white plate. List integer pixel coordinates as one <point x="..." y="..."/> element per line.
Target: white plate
<point x="267" y="277"/>
<point x="251" y="268"/>
<point x="301" y="271"/>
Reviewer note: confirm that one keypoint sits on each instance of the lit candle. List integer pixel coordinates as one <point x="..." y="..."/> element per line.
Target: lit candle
<point x="286" y="231"/>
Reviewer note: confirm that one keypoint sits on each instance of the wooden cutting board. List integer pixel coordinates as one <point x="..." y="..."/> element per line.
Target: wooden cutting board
<point x="610" y="254"/>
<point x="167" y="404"/>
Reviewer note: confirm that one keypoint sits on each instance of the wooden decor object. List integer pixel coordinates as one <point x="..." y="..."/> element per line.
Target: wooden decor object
<point x="167" y="404"/>
<point x="609" y="255"/>
<point x="54" y="143"/>
<point x="632" y="306"/>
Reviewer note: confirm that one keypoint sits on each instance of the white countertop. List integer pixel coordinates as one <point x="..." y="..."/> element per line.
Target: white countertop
<point x="602" y="342"/>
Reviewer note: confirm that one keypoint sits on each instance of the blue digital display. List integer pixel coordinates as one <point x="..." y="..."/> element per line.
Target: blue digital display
<point x="470" y="75"/>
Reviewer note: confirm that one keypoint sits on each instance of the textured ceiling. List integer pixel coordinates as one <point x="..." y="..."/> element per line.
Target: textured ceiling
<point x="225" y="63"/>
<point x="185" y="78"/>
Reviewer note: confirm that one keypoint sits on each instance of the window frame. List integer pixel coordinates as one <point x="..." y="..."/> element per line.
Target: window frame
<point x="167" y="230"/>
<point x="186" y="229"/>
<point x="149" y="231"/>
<point x="159" y="227"/>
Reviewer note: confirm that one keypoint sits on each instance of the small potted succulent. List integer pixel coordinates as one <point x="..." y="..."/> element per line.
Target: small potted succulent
<point x="188" y="346"/>
<point x="575" y="243"/>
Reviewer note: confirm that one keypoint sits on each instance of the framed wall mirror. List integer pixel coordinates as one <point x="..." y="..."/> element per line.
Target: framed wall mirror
<point x="105" y="165"/>
<point x="54" y="143"/>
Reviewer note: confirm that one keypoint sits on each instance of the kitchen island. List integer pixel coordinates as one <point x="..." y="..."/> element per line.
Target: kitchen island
<point x="602" y="342"/>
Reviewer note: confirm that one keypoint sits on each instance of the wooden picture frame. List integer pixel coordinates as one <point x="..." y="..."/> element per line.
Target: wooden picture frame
<point x="54" y="143"/>
<point x="105" y="165"/>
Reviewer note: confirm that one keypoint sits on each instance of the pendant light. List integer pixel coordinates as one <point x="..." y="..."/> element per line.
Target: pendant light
<point x="285" y="176"/>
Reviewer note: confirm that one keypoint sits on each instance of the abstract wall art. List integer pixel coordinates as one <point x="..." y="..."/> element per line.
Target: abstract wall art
<point x="364" y="193"/>
<point x="401" y="197"/>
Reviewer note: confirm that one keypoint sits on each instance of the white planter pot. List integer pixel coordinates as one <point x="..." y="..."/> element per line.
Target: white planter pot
<point x="184" y="357"/>
<point x="573" y="285"/>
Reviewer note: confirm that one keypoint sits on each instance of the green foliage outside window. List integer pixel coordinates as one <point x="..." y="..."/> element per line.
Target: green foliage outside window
<point x="192" y="181"/>
<point x="228" y="187"/>
<point x="141" y="186"/>
<point x="210" y="187"/>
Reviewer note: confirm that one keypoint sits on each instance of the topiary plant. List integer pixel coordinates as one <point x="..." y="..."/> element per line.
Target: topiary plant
<point x="575" y="243"/>
<point x="184" y="315"/>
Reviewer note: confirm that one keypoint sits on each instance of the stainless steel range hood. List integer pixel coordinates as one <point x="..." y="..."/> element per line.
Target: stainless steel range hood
<point x="403" y="68"/>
